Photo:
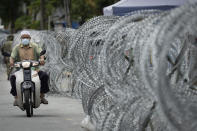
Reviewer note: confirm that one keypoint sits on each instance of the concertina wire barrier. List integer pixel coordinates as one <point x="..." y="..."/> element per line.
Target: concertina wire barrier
<point x="135" y="72"/>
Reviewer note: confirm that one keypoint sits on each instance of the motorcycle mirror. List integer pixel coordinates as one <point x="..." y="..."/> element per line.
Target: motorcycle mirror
<point x="6" y="54"/>
<point x="42" y="52"/>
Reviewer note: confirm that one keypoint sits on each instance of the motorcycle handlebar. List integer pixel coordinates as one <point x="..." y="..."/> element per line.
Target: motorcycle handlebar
<point x="27" y="64"/>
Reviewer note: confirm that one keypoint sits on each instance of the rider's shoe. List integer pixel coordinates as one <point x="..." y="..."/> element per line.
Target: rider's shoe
<point x="44" y="101"/>
<point x="15" y="103"/>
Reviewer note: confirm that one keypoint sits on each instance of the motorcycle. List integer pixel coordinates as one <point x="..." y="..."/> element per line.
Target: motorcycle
<point x="28" y="86"/>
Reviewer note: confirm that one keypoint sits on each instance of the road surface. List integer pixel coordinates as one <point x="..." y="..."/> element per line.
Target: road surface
<point x="62" y="114"/>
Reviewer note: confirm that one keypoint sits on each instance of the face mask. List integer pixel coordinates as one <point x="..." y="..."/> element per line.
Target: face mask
<point x="25" y="41"/>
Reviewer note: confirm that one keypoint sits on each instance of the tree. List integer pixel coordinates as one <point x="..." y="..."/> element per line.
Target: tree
<point x="9" y="11"/>
<point x="42" y="12"/>
<point x="82" y="10"/>
<point x="67" y="5"/>
<point x="76" y="10"/>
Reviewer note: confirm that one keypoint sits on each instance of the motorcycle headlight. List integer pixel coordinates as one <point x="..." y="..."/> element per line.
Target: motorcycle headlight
<point x="26" y="85"/>
<point x="26" y="64"/>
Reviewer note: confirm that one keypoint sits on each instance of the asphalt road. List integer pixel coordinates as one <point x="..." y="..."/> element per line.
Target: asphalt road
<point x="62" y="114"/>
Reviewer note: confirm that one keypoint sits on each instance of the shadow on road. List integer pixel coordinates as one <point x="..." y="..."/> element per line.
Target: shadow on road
<point x="37" y="115"/>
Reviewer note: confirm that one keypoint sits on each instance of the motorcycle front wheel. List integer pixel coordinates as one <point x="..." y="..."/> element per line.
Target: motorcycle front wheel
<point x="28" y="104"/>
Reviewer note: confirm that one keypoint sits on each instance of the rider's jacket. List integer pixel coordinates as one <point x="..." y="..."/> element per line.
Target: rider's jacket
<point x="30" y="52"/>
<point x="7" y="46"/>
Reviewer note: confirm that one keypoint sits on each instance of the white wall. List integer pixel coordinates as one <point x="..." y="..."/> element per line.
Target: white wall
<point x="1" y="26"/>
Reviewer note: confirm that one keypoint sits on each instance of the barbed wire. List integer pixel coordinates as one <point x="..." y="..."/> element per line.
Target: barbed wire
<point x="135" y="72"/>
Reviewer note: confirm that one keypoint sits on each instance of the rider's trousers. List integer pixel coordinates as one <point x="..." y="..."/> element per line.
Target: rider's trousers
<point x="43" y="78"/>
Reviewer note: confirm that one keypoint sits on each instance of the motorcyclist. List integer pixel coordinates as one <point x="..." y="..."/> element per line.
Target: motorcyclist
<point x="27" y="50"/>
<point x="7" y="49"/>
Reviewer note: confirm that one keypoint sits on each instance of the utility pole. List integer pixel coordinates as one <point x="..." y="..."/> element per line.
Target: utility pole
<point x="42" y="12"/>
<point x="67" y="5"/>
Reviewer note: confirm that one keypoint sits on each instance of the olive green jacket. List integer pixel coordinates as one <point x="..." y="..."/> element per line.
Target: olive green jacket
<point x="18" y="52"/>
<point x="7" y="47"/>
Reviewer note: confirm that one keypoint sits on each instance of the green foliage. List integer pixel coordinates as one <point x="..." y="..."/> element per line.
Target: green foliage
<point x="35" y="25"/>
<point x="9" y="11"/>
<point x="34" y="6"/>
<point x="81" y="10"/>
<point x="26" y="22"/>
<point x="50" y="5"/>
